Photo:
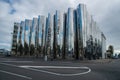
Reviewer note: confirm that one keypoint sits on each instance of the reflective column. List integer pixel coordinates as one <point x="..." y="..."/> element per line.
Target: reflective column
<point x="18" y="38"/>
<point x="22" y="33"/>
<point x="33" y="36"/>
<point x="41" y="33"/>
<point x="70" y="32"/>
<point x="28" y="25"/>
<point x="80" y="30"/>
<point x="49" y="35"/>
<point x="59" y="33"/>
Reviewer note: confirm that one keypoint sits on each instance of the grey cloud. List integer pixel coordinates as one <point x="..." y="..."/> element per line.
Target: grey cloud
<point x="110" y="25"/>
<point x="105" y="12"/>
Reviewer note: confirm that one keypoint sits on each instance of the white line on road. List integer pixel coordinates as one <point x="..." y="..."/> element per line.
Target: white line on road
<point x="8" y="64"/>
<point x="18" y="61"/>
<point x="6" y="59"/>
<point x="31" y="68"/>
<point x="13" y="66"/>
<point x="16" y="74"/>
<point x="55" y="67"/>
<point x="62" y="67"/>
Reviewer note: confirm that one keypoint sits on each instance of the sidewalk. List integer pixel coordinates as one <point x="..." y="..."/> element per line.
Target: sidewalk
<point x="33" y="58"/>
<point x="100" y="61"/>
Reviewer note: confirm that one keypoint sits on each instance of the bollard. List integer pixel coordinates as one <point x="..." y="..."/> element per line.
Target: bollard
<point x="45" y="57"/>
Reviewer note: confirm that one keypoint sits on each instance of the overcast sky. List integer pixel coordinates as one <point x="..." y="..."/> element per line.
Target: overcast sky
<point x="105" y="12"/>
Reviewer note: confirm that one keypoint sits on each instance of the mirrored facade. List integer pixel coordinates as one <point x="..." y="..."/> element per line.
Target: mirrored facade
<point x="33" y="31"/>
<point x="18" y="34"/>
<point x="59" y="32"/>
<point x="49" y="35"/>
<point x="28" y="25"/>
<point x="41" y="32"/>
<point x="15" y="37"/>
<point x="70" y="31"/>
<point x="73" y="34"/>
<point x="22" y="32"/>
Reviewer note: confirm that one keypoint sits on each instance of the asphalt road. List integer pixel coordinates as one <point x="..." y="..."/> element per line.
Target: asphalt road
<point x="37" y="69"/>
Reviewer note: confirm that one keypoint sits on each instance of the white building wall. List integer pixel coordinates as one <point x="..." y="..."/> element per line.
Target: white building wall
<point x="103" y="45"/>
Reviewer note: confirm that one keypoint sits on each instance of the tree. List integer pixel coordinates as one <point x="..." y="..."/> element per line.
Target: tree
<point x="20" y="49"/>
<point x="58" y="50"/>
<point x="108" y="54"/>
<point x="32" y="49"/>
<point x="63" y="52"/>
<point x="119" y="55"/>
<point x="40" y="49"/>
<point x="26" y="48"/>
<point x="15" y="49"/>
<point x="111" y="50"/>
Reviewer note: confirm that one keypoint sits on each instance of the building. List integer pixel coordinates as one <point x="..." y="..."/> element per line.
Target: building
<point x="28" y="25"/>
<point x="49" y="36"/>
<point x="33" y="36"/>
<point x="103" y="45"/>
<point x="14" y="37"/>
<point x="73" y="34"/>
<point x="41" y="34"/>
<point x="59" y="33"/>
<point x="22" y="25"/>
<point x="70" y="32"/>
<point x="27" y="36"/>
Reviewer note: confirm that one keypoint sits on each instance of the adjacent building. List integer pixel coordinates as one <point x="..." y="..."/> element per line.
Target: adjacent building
<point x="14" y="37"/>
<point x="103" y="45"/>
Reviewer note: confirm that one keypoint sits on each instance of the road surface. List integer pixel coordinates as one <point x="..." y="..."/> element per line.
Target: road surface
<point x="37" y="69"/>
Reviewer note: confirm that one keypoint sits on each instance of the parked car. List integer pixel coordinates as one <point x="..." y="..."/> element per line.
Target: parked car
<point x="5" y="52"/>
<point x="2" y="51"/>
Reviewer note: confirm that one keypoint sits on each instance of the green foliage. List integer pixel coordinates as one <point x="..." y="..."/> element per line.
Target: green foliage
<point x="111" y="49"/>
<point x="32" y="49"/>
<point x="20" y="49"/>
<point x="26" y="48"/>
<point x="39" y="49"/>
<point x="16" y="49"/>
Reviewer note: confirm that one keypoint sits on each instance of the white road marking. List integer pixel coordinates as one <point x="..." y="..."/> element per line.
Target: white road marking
<point x="18" y="61"/>
<point x="8" y="64"/>
<point x="13" y="66"/>
<point x="16" y="74"/>
<point x="6" y="59"/>
<point x="62" y="67"/>
<point x="55" y="67"/>
<point x="59" y="74"/>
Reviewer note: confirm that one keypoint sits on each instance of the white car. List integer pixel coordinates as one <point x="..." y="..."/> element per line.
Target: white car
<point x="5" y="52"/>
